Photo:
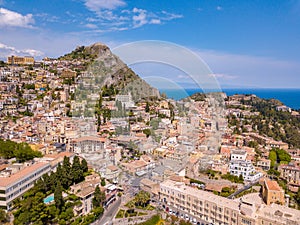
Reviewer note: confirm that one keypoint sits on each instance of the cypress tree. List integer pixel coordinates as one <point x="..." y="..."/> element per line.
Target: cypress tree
<point x="84" y="166"/>
<point x="58" y="198"/>
<point x="99" y="197"/>
<point x="77" y="172"/>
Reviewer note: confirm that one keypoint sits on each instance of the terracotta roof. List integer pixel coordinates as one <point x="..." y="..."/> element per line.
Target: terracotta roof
<point x="59" y="155"/>
<point x="3" y="166"/>
<point x="272" y="185"/>
<point x="89" y="138"/>
<point x="86" y="191"/>
<point x="6" y="181"/>
<point x="112" y="168"/>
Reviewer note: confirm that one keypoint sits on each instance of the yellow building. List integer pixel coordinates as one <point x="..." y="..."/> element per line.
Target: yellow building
<point x="272" y="193"/>
<point x="26" y="60"/>
<point x="161" y="152"/>
<point x="40" y="85"/>
<point x="67" y="73"/>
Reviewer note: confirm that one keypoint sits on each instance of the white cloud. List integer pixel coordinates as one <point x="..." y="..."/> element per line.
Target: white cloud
<point x="171" y="16"/>
<point x="6" y="50"/>
<point x="98" y="5"/>
<point x="111" y="15"/>
<point x="155" y="21"/>
<point x="47" y="17"/>
<point x="13" y="19"/>
<point x="140" y="17"/>
<point x="223" y="76"/>
<point x="31" y="52"/>
<point x="91" y="26"/>
<point x="219" y="8"/>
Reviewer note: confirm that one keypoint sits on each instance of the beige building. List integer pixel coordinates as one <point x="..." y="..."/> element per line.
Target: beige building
<point x="85" y="191"/>
<point x="204" y="207"/>
<point x="150" y="187"/>
<point x="201" y="205"/>
<point x="277" y="215"/>
<point x="111" y="173"/>
<point x="17" y="179"/>
<point x="26" y="60"/>
<point x="291" y="173"/>
<point x="89" y="144"/>
<point x="265" y="164"/>
<point x="67" y="73"/>
<point x="272" y="193"/>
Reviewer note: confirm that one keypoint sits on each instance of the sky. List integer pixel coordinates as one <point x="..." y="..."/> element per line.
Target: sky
<point x="249" y="43"/>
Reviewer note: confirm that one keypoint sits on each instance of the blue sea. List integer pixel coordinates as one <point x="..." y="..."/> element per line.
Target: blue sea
<point x="289" y="97"/>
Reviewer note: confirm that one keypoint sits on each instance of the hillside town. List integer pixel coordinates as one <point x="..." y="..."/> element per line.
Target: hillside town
<point x="117" y="157"/>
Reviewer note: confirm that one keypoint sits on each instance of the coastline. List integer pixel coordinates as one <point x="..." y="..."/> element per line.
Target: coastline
<point x="288" y="96"/>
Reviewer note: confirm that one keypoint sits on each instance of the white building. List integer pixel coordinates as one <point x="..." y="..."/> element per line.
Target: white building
<point x="240" y="166"/>
<point x="89" y="144"/>
<point x="125" y="100"/>
<point x="238" y="155"/>
<point x="14" y="184"/>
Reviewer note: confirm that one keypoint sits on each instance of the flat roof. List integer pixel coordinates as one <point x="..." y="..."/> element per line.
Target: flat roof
<point x="90" y="138"/>
<point x="61" y="154"/>
<point x="279" y="213"/>
<point x="201" y="195"/>
<point x="7" y="181"/>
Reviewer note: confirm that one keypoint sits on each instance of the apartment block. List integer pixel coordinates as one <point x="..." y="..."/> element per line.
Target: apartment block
<point x="291" y="173"/>
<point x="204" y="207"/>
<point x="14" y="182"/>
<point x="265" y="164"/>
<point x="240" y="166"/>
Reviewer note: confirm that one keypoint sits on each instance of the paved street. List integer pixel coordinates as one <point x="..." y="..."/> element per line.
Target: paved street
<point x="242" y="189"/>
<point x="109" y="213"/>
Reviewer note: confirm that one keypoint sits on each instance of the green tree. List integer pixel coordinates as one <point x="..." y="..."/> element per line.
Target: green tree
<point x="84" y="166"/>
<point x="98" y="211"/>
<point x="147" y="108"/>
<point x="3" y="216"/>
<point x="103" y="183"/>
<point x="273" y="158"/>
<point x="183" y="222"/>
<point x="77" y="172"/>
<point x="282" y="156"/>
<point x="67" y="164"/>
<point x="99" y="197"/>
<point x="241" y="178"/>
<point x="142" y="198"/>
<point x="147" y="132"/>
<point x="273" y="172"/>
<point x="297" y="197"/>
<point x="22" y="151"/>
<point x="58" y="198"/>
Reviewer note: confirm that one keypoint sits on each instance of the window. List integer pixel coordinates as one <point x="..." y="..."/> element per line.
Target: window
<point x="246" y="222"/>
